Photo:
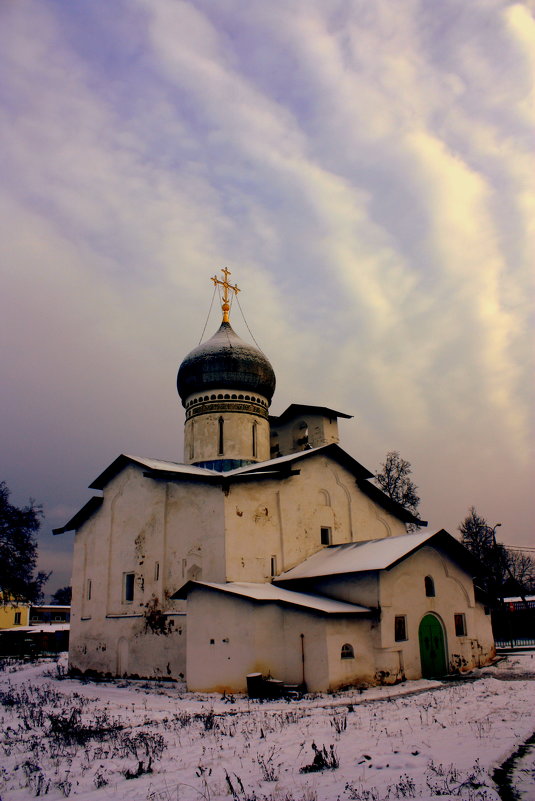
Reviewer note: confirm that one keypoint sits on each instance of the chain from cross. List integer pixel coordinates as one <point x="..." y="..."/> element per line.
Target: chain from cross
<point x="226" y="286"/>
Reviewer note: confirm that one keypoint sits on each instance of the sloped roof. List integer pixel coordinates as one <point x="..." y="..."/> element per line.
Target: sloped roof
<point x="270" y="593"/>
<point x="332" y="449"/>
<point x="156" y="465"/>
<point x="335" y="452"/>
<point x="272" y="468"/>
<point x="81" y="515"/>
<point x="371" y="555"/>
<point x="297" y="409"/>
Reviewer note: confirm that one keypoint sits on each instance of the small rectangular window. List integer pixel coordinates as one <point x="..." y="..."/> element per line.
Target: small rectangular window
<point x="460" y="625"/>
<point x="325" y="535"/>
<point x="400" y="628"/>
<point x="128" y="587"/>
<point x="88" y="590"/>
<point x="156" y="571"/>
<point x="17" y="618"/>
<point x="273" y="565"/>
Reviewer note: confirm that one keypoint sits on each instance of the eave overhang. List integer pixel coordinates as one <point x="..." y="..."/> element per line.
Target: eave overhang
<point x="298" y="409"/>
<point x="81" y="515"/>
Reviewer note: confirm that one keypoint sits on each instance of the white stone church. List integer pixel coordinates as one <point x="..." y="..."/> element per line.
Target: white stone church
<point x="267" y="550"/>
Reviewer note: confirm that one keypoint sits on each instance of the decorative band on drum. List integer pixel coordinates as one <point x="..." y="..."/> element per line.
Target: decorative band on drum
<point x="226" y="406"/>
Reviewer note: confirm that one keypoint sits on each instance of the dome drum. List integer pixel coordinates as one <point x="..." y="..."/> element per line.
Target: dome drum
<point x="226" y="402"/>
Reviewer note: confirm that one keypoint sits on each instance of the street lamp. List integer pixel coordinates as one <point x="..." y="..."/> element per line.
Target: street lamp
<point x="494" y="533"/>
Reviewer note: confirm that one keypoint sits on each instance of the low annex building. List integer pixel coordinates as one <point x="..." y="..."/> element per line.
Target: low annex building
<point x="266" y="550"/>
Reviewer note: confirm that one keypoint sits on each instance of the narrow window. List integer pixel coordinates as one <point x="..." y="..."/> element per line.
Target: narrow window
<point x="273" y="565"/>
<point x="300" y="435"/>
<point x="17" y="618"/>
<point x="460" y="625"/>
<point x="429" y="587"/>
<point x="347" y="651"/>
<point x="192" y="442"/>
<point x="128" y="587"/>
<point x="88" y="588"/>
<point x="221" y="423"/>
<point x="254" y="439"/>
<point x="325" y="535"/>
<point x="156" y="571"/>
<point x="400" y="628"/>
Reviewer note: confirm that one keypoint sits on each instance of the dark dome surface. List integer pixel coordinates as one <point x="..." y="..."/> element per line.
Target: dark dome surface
<point x="225" y="362"/>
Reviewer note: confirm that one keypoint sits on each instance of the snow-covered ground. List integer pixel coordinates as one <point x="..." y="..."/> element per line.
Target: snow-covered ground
<point x="61" y="737"/>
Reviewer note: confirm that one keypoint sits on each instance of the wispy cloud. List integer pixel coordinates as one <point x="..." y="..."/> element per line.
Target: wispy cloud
<point x="366" y="171"/>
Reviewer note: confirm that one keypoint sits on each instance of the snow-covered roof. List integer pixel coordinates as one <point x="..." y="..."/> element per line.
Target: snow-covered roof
<point x="518" y="599"/>
<point x="171" y="467"/>
<point x="38" y="628"/>
<point x="158" y="465"/>
<point x="273" y="463"/>
<point x="358" y="557"/>
<point x="269" y="592"/>
<point x="295" y="409"/>
<point x="276" y="468"/>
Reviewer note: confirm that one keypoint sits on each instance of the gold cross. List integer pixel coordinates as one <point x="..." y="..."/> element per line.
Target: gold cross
<point x="225" y="306"/>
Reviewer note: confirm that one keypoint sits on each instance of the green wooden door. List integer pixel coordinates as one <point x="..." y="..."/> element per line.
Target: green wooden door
<point x="432" y="648"/>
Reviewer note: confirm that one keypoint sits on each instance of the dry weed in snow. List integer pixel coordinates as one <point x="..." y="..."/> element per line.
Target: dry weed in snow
<point x="146" y="741"/>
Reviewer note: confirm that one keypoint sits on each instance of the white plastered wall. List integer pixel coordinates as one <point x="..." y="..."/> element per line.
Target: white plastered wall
<point x="312" y="430"/>
<point x="402" y="592"/>
<point x="231" y="636"/>
<point x="283" y="518"/>
<point x="162" y="532"/>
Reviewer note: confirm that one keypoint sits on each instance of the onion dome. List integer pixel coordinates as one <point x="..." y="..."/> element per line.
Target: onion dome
<point x="226" y="362"/>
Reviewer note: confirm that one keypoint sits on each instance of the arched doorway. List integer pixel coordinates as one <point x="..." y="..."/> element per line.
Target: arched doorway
<point x="432" y="647"/>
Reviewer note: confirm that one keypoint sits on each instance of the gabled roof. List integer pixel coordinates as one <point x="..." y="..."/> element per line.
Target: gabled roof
<point x="269" y="593"/>
<point x="279" y="468"/>
<point x="333" y="451"/>
<point x="372" y="555"/>
<point x="298" y="410"/>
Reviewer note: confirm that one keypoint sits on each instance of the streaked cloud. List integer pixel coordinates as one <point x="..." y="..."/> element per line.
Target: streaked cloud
<point x="366" y="171"/>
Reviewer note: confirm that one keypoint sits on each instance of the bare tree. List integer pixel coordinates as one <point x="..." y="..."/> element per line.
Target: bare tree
<point x="393" y="478"/>
<point x="521" y="569"/>
<point x="506" y="572"/>
<point x="478" y="536"/>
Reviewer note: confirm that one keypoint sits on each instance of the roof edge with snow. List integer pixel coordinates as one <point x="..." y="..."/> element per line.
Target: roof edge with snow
<point x="270" y="593"/>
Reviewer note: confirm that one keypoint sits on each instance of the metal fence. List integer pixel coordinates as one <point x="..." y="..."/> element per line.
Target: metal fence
<point x="515" y="642"/>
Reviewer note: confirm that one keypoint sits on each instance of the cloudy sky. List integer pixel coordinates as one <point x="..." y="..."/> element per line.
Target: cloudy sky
<point x="366" y="171"/>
